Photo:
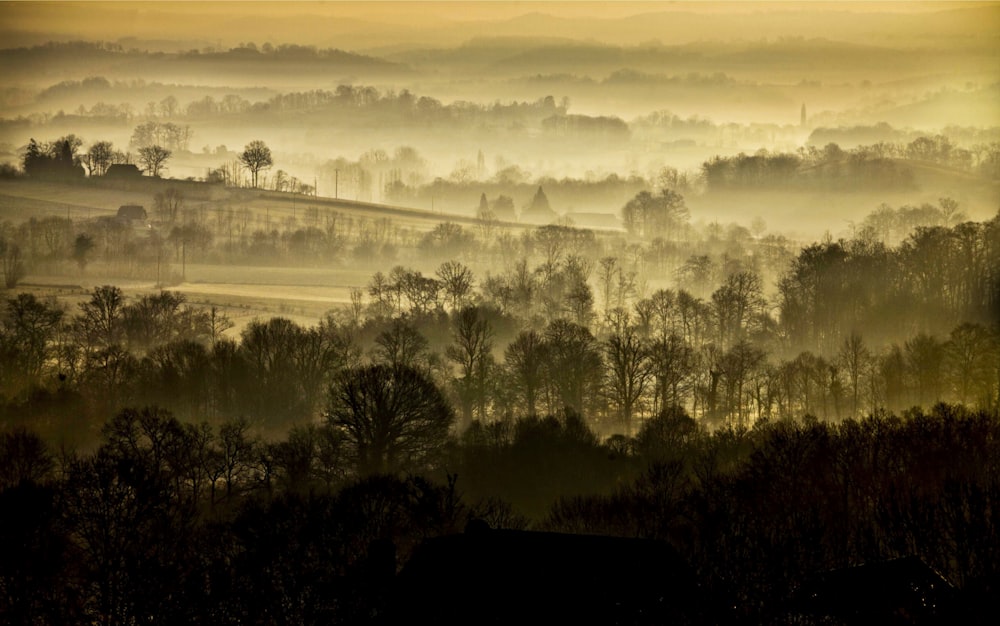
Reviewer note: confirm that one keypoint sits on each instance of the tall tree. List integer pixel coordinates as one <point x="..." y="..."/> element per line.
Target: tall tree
<point x="256" y="157"/>
<point x="99" y="158"/>
<point x="525" y="358"/>
<point x="738" y="306"/>
<point x="472" y="352"/>
<point x="574" y="365"/>
<point x="393" y="418"/>
<point x="402" y="345"/>
<point x="627" y="372"/>
<point x="457" y="280"/>
<point x="27" y="331"/>
<point x="168" y="204"/>
<point x="655" y="215"/>
<point x="154" y="159"/>
<point x="854" y="357"/>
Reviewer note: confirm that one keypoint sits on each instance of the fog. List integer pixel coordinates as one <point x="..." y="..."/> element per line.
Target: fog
<point x="628" y="312"/>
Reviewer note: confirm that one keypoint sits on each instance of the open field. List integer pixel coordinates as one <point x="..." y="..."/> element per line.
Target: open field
<point x="303" y="295"/>
<point x="22" y="199"/>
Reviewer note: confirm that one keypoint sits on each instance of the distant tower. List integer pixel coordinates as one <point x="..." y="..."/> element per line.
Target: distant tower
<point x="803" y="116"/>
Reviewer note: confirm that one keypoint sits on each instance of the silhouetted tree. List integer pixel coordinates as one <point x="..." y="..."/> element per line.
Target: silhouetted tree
<point x="627" y="372"/>
<point x="457" y="281"/>
<point x="402" y="345"/>
<point x="525" y="358"/>
<point x="12" y="261"/>
<point x="256" y="157"/>
<point x="574" y="364"/>
<point x="82" y="246"/>
<point x="394" y="418"/>
<point x="168" y="204"/>
<point x="154" y="159"/>
<point x="99" y="158"/>
<point x="471" y="350"/>
<point x="27" y="334"/>
<point x="57" y="160"/>
<point x="661" y="215"/>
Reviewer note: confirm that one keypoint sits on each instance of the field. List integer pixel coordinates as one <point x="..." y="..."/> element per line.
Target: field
<point x="244" y="292"/>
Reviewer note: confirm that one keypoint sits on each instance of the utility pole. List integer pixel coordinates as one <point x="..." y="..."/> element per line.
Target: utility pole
<point x="336" y="184"/>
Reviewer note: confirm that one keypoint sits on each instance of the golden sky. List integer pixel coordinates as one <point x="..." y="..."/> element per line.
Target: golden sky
<point x="314" y="22"/>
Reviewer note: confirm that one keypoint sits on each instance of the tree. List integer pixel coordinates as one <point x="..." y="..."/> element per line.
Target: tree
<point x="82" y="246"/>
<point x="660" y="215"/>
<point x="53" y="160"/>
<point x="393" y="418"/>
<point x="27" y="332"/>
<point x="525" y="358"/>
<point x="169" y="106"/>
<point x="402" y="345"/>
<point x="447" y="240"/>
<point x="285" y="381"/>
<point x="738" y="304"/>
<point x="99" y="158"/>
<point x="972" y="354"/>
<point x="168" y="204"/>
<point x="925" y="364"/>
<point x="574" y="365"/>
<point x="256" y="157"/>
<point x="184" y="235"/>
<point x="854" y="357"/>
<point x="472" y="352"/>
<point x="12" y="261"/>
<point x="627" y="373"/>
<point x="457" y="281"/>
<point x="101" y="320"/>
<point x="153" y="158"/>
<point x="671" y="361"/>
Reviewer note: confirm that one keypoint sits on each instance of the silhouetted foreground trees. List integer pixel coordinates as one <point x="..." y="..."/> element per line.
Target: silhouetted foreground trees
<point x="166" y="522"/>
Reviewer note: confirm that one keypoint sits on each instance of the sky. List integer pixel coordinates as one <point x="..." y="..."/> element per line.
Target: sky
<point x="356" y="24"/>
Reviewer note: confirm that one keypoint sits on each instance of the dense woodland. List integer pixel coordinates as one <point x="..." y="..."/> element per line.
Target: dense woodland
<point x="556" y="394"/>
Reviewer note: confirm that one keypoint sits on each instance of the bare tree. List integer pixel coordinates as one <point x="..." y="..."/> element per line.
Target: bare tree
<point x="525" y="358"/>
<point x="393" y="418"/>
<point x="13" y="263"/>
<point x="457" y="280"/>
<point x="99" y="158"/>
<point x="472" y="351"/>
<point x="628" y="372"/>
<point x="168" y="204"/>
<point x="853" y="357"/>
<point x="256" y="156"/>
<point x="402" y="345"/>
<point x="154" y="158"/>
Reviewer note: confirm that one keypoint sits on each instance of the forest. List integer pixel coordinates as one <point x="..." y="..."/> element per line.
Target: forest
<point x="260" y="468"/>
<point x="462" y="313"/>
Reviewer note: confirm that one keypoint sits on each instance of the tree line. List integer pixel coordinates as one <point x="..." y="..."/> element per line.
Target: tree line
<point x="166" y="521"/>
<point x="874" y="166"/>
<point x="535" y="339"/>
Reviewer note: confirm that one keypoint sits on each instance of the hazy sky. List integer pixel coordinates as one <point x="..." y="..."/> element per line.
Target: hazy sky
<point x="356" y="24"/>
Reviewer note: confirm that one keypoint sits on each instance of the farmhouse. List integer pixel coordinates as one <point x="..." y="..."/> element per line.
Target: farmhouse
<point x="123" y="171"/>
<point x="130" y="212"/>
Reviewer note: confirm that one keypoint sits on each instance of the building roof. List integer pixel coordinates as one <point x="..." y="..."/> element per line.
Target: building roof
<point x="132" y="212"/>
<point x="123" y="170"/>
